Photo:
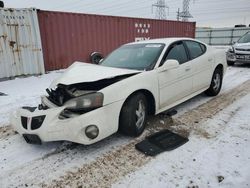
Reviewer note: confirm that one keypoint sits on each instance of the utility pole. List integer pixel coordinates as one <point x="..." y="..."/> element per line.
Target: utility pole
<point x="178" y="14"/>
<point x="185" y="14"/>
<point x="161" y="7"/>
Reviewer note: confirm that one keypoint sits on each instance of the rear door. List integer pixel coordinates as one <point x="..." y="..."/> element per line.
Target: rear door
<point x="202" y="64"/>
<point x="175" y="84"/>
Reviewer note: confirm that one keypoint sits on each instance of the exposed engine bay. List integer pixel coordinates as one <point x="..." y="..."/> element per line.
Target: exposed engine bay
<point x="63" y="93"/>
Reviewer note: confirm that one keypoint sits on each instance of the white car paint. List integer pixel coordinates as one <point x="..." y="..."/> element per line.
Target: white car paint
<point x="168" y="88"/>
<point x="79" y="72"/>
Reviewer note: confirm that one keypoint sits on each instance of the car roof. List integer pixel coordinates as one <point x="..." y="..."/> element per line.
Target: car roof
<point x="164" y="40"/>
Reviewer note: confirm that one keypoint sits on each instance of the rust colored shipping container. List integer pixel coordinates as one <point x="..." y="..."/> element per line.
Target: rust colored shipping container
<point x="69" y="37"/>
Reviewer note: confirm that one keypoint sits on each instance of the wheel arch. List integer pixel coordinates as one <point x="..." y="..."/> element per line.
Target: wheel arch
<point x="220" y="67"/>
<point x="150" y="99"/>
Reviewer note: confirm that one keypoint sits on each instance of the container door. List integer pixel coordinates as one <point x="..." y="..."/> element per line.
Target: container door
<point x="20" y="43"/>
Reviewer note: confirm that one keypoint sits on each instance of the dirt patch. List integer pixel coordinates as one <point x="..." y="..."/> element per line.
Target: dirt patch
<point x="111" y="167"/>
<point x="62" y="148"/>
<point x="6" y="131"/>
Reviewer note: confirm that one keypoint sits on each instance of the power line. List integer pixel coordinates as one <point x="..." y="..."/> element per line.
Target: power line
<point x="116" y="7"/>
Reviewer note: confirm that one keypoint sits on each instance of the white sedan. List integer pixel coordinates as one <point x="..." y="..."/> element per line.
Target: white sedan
<point x="90" y="102"/>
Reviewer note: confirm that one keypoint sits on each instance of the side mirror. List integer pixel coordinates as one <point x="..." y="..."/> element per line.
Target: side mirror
<point x="169" y="65"/>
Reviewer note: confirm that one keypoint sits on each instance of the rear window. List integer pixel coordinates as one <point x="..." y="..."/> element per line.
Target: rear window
<point x="203" y="47"/>
<point x="195" y="49"/>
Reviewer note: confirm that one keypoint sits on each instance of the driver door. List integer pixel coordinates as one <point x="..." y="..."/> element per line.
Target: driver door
<point x="175" y="84"/>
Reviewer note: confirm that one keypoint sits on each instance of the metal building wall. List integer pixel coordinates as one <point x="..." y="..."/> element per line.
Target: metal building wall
<point x="69" y="37"/>
<point x="20" y="43"/>
<point x="220" y="36"/>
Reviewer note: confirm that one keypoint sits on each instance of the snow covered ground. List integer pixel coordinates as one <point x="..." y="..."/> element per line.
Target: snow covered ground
<point x="203" y="162"/>
<point x="219" y="152"/>
<point x="23" y="92"/>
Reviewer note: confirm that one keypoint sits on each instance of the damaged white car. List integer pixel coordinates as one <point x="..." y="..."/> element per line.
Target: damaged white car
<point x="91" y="102"/>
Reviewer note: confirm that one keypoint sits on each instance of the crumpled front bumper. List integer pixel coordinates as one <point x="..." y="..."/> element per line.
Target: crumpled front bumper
<point x="72" y="129"/>
<point x="238" y="57"/>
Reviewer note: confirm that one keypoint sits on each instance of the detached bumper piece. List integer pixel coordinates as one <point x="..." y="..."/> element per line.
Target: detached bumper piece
<point x="159" y="142"/>
<point x="32" y="139"/>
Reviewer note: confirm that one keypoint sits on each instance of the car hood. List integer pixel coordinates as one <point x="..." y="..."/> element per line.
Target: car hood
<point x="84" y="72"/>
<point x="242" y="45"/>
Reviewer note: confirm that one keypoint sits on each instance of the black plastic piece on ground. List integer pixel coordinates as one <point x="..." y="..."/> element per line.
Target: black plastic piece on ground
<point x="3" y="94"/>
<point x="171" y="112"/>
<point x="32" y="139"/>
<point x="159" y="142"/>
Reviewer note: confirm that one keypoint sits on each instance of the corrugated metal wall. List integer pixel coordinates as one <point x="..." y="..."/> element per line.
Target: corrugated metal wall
<point x="68" y="37"/>
<point x="220" y="36"/>
<point x="20" y="43"/>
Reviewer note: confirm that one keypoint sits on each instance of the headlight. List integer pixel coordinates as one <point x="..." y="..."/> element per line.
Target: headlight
<point x="85" y="102"/>
<point x="231" y="49"/>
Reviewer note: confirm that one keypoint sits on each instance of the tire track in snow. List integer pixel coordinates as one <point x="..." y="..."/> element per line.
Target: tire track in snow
<point x="111" y="167"/>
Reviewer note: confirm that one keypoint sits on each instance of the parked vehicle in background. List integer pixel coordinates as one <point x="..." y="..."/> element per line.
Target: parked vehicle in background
<point x="90" y="102"/>
<point x="240" y="51"/>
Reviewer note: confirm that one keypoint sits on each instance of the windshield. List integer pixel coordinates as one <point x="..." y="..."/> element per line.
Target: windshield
<point x="134" y="56"/>
<point x="245" y="38"/>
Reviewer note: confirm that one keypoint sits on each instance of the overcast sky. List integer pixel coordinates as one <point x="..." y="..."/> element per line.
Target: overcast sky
<point x="207" y="13"/>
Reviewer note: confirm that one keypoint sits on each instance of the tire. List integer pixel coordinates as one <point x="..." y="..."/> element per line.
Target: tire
<point x="134" y="108"/>
<point x="216" y="83"/>
<point x="96" y="57"/>
<point x="230" y="63"/>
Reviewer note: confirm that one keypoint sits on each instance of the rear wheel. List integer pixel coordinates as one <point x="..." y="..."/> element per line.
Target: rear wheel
<point x="133" y="115"/>
<point x="216" y="83"/>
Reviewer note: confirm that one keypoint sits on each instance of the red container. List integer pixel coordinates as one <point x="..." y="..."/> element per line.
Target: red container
<point x="69" y="37"/>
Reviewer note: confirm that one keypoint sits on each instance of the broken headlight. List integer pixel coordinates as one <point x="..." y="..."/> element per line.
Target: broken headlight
<point x="85" y="103"/>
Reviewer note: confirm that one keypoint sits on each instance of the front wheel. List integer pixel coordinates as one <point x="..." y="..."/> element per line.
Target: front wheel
<point x="216" y="83"/>
<point x="133" y="115"/>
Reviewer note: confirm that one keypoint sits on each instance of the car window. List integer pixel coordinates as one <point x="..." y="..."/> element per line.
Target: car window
<point x="195" y="49"/>
<point x="177" y="51"/>
<point x="245" y="38"/>
<point x="134" y="56"/>
<point x="203" y="48"/>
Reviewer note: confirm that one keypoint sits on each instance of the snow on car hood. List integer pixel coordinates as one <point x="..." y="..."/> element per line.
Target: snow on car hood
<point x="84" y="72"/>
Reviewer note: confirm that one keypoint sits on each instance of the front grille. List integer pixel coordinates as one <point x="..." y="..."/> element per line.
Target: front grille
<point x="24" y="121"/>
<point x="240" y="54"/>
<point x="37" y="122"/>
<point x="240" y="49"/>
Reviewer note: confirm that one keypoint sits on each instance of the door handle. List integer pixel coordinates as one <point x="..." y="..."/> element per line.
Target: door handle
<point x="187" y="68"/>
<point x="210" y="59"/>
